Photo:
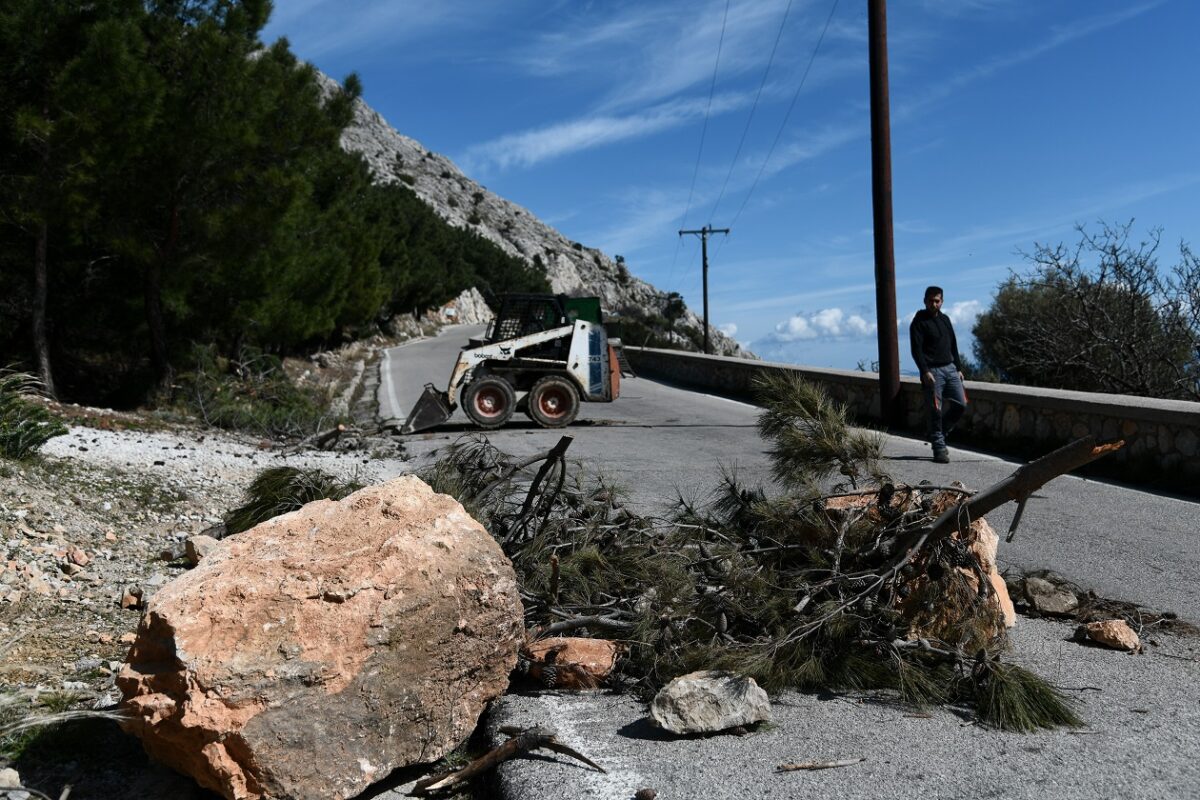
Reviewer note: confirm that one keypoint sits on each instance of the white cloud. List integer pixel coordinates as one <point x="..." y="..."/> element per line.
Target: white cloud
<point x="1059" y="36"/>
<point x="320" y="27"/>
<point x="828" y="323"/>
<point x="729" y="329"/>
<point x="530" y="147"/>
<point x="963" y="314"/>
<point x="649" y="54"/>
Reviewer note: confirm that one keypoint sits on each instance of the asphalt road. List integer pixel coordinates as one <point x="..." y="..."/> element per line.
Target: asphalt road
<point x="1143" y="711"/>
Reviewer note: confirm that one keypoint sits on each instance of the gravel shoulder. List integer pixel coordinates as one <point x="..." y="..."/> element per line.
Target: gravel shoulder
<point x="80" y="525"/>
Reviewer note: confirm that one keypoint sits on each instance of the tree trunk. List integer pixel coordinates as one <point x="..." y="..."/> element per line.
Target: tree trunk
<point x="152" y="291"/>
<point x="41" y="343"/>
<point x="152" y="297"/>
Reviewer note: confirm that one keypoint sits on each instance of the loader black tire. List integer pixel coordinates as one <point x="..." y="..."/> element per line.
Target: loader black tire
<point x="553" y="402"/>
<point x="489" y="401"/>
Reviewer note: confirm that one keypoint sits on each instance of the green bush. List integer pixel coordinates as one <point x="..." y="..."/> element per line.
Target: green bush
<point x="279" y="490"/>
<point x="24" y="425"/>
<point x="251" y="394"/>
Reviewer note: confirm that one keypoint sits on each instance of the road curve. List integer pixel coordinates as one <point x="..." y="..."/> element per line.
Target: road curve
<point x="659" y="440"/>
<point x="1142" y="711"/>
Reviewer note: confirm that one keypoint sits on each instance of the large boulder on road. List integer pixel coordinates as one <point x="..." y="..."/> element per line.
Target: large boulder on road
<point x="313" y="654"/>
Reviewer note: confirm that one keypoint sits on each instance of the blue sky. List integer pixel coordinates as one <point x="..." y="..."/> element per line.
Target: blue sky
<point x="1011" y="123"/>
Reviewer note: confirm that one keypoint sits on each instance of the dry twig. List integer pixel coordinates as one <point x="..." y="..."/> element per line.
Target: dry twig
<point x="815" y="765"/>
<point x="521" y="741"/>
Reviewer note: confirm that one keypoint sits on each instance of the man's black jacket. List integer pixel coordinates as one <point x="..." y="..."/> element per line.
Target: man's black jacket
<point x="933" y="341"/>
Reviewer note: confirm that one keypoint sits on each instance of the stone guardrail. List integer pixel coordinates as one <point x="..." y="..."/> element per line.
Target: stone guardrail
<point x="1162" y="437"/>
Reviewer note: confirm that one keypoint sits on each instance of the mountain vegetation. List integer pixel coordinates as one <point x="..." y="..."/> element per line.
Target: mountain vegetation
<point x="168" y="182"/>
<point x="1098" y="316"/>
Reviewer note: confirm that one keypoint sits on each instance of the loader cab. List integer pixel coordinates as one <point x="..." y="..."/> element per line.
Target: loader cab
<point x="523" y="314"/>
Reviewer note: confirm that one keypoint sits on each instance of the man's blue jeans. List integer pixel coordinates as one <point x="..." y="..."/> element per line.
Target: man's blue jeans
<point x="945" y="401"/>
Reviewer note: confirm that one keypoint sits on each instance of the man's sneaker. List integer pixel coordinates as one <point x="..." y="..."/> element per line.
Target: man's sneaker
<point x="941" y="455"/>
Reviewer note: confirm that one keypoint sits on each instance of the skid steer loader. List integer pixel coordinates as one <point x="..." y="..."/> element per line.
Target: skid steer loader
<point x="543" y="354"/>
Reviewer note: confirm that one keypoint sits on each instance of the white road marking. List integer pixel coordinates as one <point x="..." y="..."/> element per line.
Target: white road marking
<point x="386" y="377"/>
<point x="728" y="400"/>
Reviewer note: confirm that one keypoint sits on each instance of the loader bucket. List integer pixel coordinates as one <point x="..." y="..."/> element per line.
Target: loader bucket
<point x="433" y="408"/>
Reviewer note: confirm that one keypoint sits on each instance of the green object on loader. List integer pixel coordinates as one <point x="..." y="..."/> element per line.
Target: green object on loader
<point x="584" y="308"/>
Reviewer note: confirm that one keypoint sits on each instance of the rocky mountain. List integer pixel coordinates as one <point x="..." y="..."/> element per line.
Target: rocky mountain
<point x="571" y="267"/>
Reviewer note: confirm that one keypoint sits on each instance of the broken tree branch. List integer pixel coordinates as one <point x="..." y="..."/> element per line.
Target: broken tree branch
<point x="1024" y="481"/>
<point x="549" y="456"/>
<point x="1017" y="487"/>
<point x="521" y="741"/>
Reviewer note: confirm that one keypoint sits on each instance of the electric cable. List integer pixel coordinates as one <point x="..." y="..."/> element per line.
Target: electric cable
<point x="783" y="125"/>
<point x="770" y="60"/>
<point x="703" y="133"/>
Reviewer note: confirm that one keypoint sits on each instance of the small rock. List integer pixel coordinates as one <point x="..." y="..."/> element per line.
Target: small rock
<point x="71" y="568"/>
<point x="77" y="556"/>
<point x="709" y="701"/>
<point x="127" y="638"/>
<point x="1114" y="633"/>
<point x="1047" y="598"/>
<point x="173" y="553"/>
<point x="9" y="778"/>
<point x="131" y="598"/>
<point x="197" y="547"/>
<point x="110" y="537"/>
<point x="645" y="794"/>
<point x="572" y="662"/>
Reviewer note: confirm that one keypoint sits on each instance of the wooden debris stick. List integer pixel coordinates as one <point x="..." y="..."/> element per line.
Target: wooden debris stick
<point x="1025" y="481"/>
<point x="551" y="455"/>
<point x="815" y="765"/>
<point x="1016" y="487"/>
<point x="521" y="741"/>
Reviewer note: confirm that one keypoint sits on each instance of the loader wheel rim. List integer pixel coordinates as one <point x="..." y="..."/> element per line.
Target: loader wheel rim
<point x="554" y="402"/>
<point x="490" y="402"/>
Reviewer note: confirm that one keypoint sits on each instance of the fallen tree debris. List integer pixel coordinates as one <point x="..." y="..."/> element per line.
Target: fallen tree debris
<point x="845" y="579"/>
<point x="816" y="765"/>
<point x="520" y="742"/>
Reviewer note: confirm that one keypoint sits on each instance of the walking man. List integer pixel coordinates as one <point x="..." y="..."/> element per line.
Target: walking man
<point x="935" y="349"/>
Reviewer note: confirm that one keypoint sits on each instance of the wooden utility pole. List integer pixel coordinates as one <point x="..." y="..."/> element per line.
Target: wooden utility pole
<point x="881" y="196"/>
<point x="703" y="234"/>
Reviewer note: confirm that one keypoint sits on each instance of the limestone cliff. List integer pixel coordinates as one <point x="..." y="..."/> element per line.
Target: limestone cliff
<point x="570" y="267"/>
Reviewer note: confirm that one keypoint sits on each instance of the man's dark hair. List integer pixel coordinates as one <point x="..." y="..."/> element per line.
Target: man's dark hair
<point x="933" y="291"/>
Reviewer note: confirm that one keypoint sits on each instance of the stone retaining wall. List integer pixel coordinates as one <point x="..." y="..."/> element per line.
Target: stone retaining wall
<point x="1162" y="437"/>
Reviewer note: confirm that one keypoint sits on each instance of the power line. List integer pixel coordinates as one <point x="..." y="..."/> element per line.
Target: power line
<point x="786" y="116"/>
<point x="757" y="95"/>
<point x="703" y="132"/>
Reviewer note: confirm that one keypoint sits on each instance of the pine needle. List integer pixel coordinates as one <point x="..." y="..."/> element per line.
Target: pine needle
<point x="278" y="490"/>
<point x="1012" y="698"/>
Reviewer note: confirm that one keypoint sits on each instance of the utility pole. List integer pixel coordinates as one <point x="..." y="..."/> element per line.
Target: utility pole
<point x="881" y="197"/>
<point x="703" y="234"/>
